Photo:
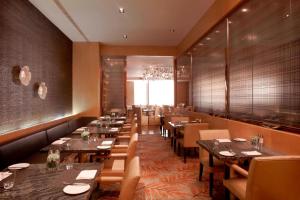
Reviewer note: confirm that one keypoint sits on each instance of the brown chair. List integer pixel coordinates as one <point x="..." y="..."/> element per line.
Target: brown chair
<point x="269" y="178"/>
<point x="204" y="156"/>
<point x="118" y="162"/>
<point x="131" y="180"/>
<point x="190" y="136"/>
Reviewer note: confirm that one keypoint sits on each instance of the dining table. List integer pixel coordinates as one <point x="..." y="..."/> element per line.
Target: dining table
<point x="231" y="151"/>
<point x="38" y="182"/>
<point x="81" y="147"/>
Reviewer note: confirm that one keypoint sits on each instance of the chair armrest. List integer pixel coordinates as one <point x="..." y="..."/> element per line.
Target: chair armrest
<point x="239" y="170"/>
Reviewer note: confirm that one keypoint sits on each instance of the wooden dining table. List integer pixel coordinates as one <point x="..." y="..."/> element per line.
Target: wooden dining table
<point x="81" y="147"/>
<point x="214" y="148"/>
<point x="37" y="182"/>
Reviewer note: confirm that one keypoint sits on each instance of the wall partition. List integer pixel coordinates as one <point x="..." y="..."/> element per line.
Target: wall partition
<point x="258" y="47"/>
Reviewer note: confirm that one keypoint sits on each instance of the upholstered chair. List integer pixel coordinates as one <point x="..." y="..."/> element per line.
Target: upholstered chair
<point x="131" y="179"/>
<point x="269" y="178"/>
<point x="204" y="156"/>
<point x="118" y="161"/>
<point x="190" y="136"/>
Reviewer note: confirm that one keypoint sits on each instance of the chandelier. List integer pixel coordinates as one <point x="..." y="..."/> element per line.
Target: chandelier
<point x="158" y="72"/>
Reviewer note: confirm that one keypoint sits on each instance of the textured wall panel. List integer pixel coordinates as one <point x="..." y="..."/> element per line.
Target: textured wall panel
<point x="28" y="38"/>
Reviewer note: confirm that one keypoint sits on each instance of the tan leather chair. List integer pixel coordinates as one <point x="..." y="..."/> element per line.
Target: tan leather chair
<point x="190" y="136"/>
<point x="269" y="178"/>
<point x="204" y="156"/>
<point x="131" y="180"/>
<point x="118" y="162"/>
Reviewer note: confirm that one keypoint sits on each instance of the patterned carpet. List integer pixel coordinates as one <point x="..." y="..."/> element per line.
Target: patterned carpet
<point x="165" y="176"/>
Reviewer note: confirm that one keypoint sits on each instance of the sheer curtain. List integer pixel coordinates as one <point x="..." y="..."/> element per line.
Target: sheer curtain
<point x="154" y="92"/>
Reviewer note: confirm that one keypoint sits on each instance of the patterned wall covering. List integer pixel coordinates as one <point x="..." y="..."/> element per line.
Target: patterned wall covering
<point x="113" y="84"/>
<point x="263" y="63"/>
<point x="28" y="38"/>
<point x="209" y="72"/>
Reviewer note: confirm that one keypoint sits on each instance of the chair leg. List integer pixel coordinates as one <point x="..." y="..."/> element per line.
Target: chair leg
<point x="211" y="183"/>
<point x="184" y="154"/>
<point x="201" y="171"/>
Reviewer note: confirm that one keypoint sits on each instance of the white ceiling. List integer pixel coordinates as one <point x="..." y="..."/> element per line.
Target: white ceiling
<point x="137" y="64"/>
<point x="146" y="22"/>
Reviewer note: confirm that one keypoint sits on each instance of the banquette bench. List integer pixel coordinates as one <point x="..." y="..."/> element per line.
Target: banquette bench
<point x="26" y="149"/>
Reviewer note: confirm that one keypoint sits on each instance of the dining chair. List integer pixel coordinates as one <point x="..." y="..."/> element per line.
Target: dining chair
<point x="190" y="136"/>
<point x="269" y="178"/>
<point x="204" y="155"/>
<point x="131" y="179"/>
<point x="118" y="162"/>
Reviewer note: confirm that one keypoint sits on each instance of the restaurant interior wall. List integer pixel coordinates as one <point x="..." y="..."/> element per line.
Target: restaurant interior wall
<point x="263" y="64"/>
<point x="27" y="37"/>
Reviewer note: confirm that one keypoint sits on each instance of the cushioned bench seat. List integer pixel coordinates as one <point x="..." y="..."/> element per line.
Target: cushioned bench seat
<point x="19" y="149"/>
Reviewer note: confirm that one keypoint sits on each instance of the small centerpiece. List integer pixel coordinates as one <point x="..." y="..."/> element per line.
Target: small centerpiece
<point x="53" y="159"/>
<point x="85" y="134"/>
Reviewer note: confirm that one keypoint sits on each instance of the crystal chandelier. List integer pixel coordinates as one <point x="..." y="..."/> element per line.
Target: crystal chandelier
<point x="158" y="72"/>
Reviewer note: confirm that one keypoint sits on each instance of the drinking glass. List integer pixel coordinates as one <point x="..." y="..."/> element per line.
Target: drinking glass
<point x="9" y="182"/>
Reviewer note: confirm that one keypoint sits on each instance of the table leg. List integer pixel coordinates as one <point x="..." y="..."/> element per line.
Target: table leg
<point x="227" y="176"/>
<point x="211" y="175"/>
<point x="174" y="139"/>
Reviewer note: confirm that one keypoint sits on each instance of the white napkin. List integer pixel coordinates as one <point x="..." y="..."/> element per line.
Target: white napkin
<point x="106" y="142"/>
<point x="119" y="122"/>
<point x="251" y="153"/>
<point x="58" y="142"/>
<point x="4" y="175"/>
<point x="114" y="129"/>
<point x="94" y="122"/>
<point x="224" y="140"/>
<point x="86" y="174"/>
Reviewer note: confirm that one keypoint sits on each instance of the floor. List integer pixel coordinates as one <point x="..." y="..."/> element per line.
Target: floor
<point x="165" y="176"/>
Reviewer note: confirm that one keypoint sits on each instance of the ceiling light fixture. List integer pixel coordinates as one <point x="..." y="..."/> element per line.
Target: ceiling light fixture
<point x="208" y="38"/>
<point x="125" y="36"/>
<point x="217" y="31"/>
<point x="200" y="44"/>
<point x="172" y="30"/>
<point x="121" y="10"/>
<point x="244" y="10"/>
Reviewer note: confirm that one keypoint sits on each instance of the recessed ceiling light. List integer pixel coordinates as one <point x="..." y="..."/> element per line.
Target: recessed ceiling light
<point x="172" y="30"/>
<point x="121" y="10"/>
<point x="208" y="38"/>
<point x="125" y="36"/>
<point x="200" y="44"/>
<point x="245" y="10"/>
<point x="217" y="31"/>
<point x="229" y="22"/>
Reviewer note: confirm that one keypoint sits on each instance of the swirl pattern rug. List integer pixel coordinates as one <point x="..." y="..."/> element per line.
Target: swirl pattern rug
<point x="164" y="176"/>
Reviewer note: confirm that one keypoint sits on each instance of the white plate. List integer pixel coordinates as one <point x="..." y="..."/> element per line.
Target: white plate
<point x="240" y="139"/>
<point x="103" y="147"/>
<point x="65" y="138"/>
<point x="76" y="188"/>
<point x="226" y="153"/>
<point x="19" y="166"/>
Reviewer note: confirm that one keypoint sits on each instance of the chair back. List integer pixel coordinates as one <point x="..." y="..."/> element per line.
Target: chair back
<point x="211" y="135"/>
<point x="191" y="133"/>
<point x="131" y="179"/>
<point x="276" y="178"/>
<point x="132" y="147"/>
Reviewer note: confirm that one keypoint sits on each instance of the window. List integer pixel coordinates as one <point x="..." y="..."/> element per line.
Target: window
<point x="154" y="92"/>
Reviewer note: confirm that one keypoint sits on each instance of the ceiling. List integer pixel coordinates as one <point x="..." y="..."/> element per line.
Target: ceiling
<point x="145" y="22"/>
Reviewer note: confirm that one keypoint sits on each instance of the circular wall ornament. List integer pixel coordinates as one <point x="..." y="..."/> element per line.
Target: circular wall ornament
<point x="42" y="90"/>
<point x="25" y="75"/>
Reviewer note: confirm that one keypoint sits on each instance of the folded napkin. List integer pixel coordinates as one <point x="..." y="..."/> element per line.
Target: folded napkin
<point x="58" y="142"/>
<point x="86" y="174"/>
<point x="113" y="129"/>
<point x="119" y="122"/>
<point x="122" y="117"/>
<point x="4" y="175"/>
<point x="106" y="142"/>
<point x="224" y="140"/>
<point x="94" y="122"/>
<point x="251" y="153"/>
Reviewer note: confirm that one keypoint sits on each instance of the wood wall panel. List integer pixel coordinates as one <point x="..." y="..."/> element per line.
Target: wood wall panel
<point x="29" y="38"/>
<point x="86" y="78"/>
<point x="109" y="50"/>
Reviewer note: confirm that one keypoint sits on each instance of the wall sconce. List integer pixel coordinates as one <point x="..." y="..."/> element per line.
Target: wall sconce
<point x="25" y="75"/>
<point x="42" y="90"/>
